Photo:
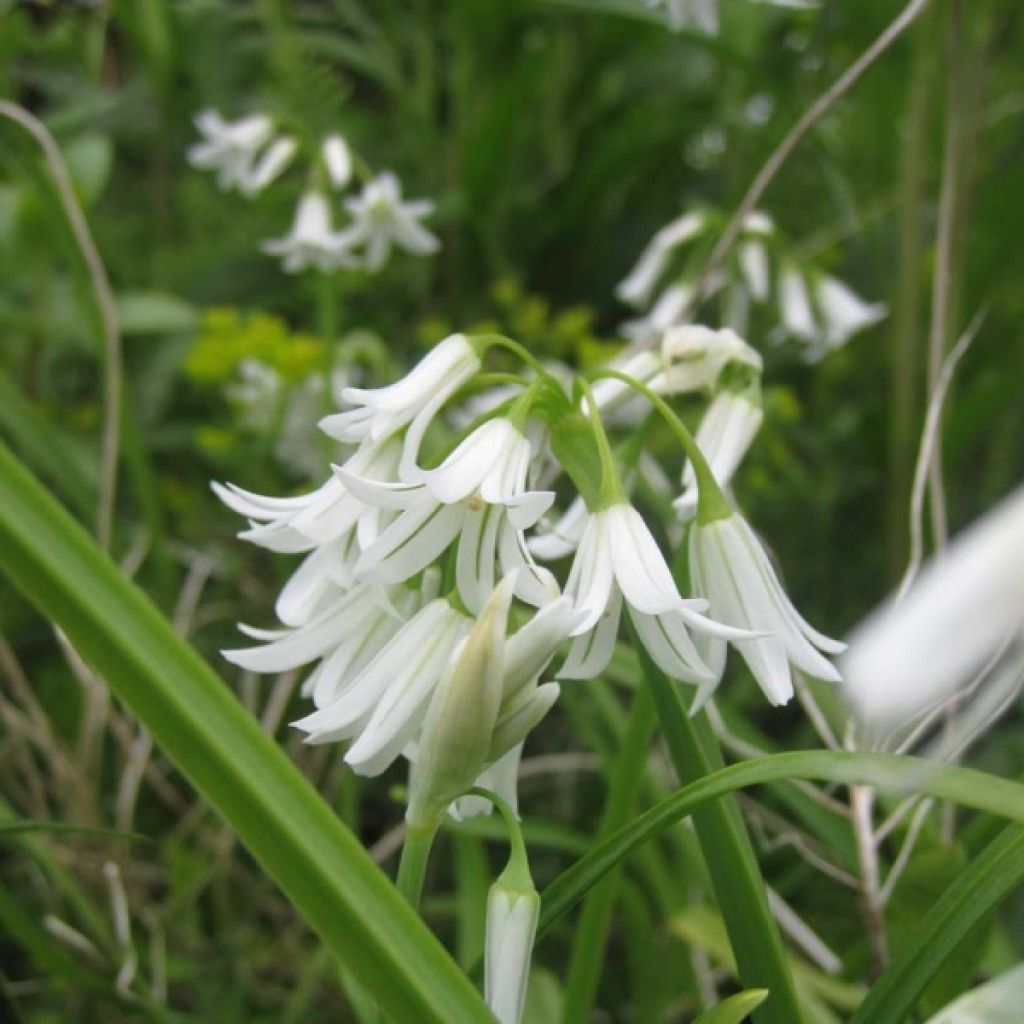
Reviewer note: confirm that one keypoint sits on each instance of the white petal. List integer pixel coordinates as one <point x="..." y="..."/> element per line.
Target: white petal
<point x="591" y="578"/>
<point x="591" y="652"/>
<point x="417" y="537"/>
<point x="640" y="568"/>
<point x="475" y="560"/>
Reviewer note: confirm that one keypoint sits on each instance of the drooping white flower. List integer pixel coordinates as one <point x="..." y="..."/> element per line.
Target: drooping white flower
<point x="382" y="219"/>
<point x="729" y="568"/>
<point x="343" y="638"/>
<point x="693" y="358"/>
<point x="637" y="286"/>
<point x="330" y="515"/>
<point x="381" y="708"/>
<point x="229" y="147"/>
<point x="795" y="305"/>
<point x="337" y="160"/>
<point x="725" y="434"/>
<point x="477" y="494"/>
<point x="564" y="537"/>
<point x="669" y="310"/>
<point x="311" y="242"/>
<point x="410" y="402"/>
<point x="619" y="558"/>
<point x="753" y="261"/>
<point x="843" y="314"/>
<point x="916" y="652"/>
<point x="270" y="166"/>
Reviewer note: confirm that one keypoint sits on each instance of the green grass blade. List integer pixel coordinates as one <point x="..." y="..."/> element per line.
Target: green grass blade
<point x="735" y="1009"/>
<point x="728" y="853"/>
<point x="988" y="880"/>
<point x="965" y="786"/>
<point x="320" y="865"/>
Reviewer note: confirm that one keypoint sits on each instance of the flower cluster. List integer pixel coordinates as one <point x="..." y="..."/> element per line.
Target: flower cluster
<point x="813" y="308"/>
<point x="248" y="155"/>
<point x="420" y="560"/>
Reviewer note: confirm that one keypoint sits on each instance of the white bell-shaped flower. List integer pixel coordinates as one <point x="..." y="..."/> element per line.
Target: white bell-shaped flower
<point x="619" y="558"/>
<point x="729" y="567"/>
<point x="337" y="160"/>
<point x="411" y="402"/>
<point x="311" y="241"/>
<point x="725" y="434"/>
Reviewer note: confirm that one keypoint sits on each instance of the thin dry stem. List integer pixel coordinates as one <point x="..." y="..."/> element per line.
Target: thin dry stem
<point x="105" y="304"/>
<point x="785" y="149"/>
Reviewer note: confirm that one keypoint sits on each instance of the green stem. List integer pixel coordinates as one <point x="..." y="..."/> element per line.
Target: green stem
<point x="611" y="492"/>
<point x="591" y="936"/>
<point x="412" y="868"/>
<point x="712" y="503"/>
<point x="485" y="341"/>
<point x="730" y="859"/>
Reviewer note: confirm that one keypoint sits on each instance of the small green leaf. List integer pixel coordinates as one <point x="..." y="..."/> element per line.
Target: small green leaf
<point x="735" y="1009"/>
<point x="19" y="826"/>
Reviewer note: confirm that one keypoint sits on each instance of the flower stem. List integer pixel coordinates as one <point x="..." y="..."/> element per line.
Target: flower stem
<point x="412" y="868"/>
<point x="730" y="859"/>
<point x="611" y="492"/>
<point x="712" y="503"/>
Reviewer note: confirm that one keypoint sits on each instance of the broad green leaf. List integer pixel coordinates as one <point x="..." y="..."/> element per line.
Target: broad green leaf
<point x="321" y="866"/>
<point x="986" y="881"/>
<point x="735" y="1009"/>
<point x="998" y="1001"/>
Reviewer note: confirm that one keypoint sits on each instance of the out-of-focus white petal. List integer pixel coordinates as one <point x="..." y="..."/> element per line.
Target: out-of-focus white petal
<point x="913" y="653"/>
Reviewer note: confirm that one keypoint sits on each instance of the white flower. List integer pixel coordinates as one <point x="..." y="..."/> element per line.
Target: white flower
<point x="725" y="433"/>
<point x="512" y="915"/>
<point x="344" y="637"/>
<point x="694" y="357"/>
<point x="729" y="567"/>
<point x="669" y="310"/>
<point x="329" y="515"/>
<point x="915" y="653"/>
<point x="753" y="260"/>
<point x="311" y="242"/>
<point x="843" y="313"/>
<point x="835" y="316"/>
<point x="795" y="305"/>
<point x="637" y="286"/>
<point x="337" y="160"/>
<point x="412" y="401"/>
<point x="229" y="147"/>
<point x="382" y="706"/>
<point x="381" y="219"/>
<point x="618" y="558"/>
<point x="269" y="166"/>
<point x="477" y="494"/>
<point x="564" y="537"/>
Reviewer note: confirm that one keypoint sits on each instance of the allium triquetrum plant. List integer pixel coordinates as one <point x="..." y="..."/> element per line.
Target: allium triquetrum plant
<point x="527" y="582"/>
